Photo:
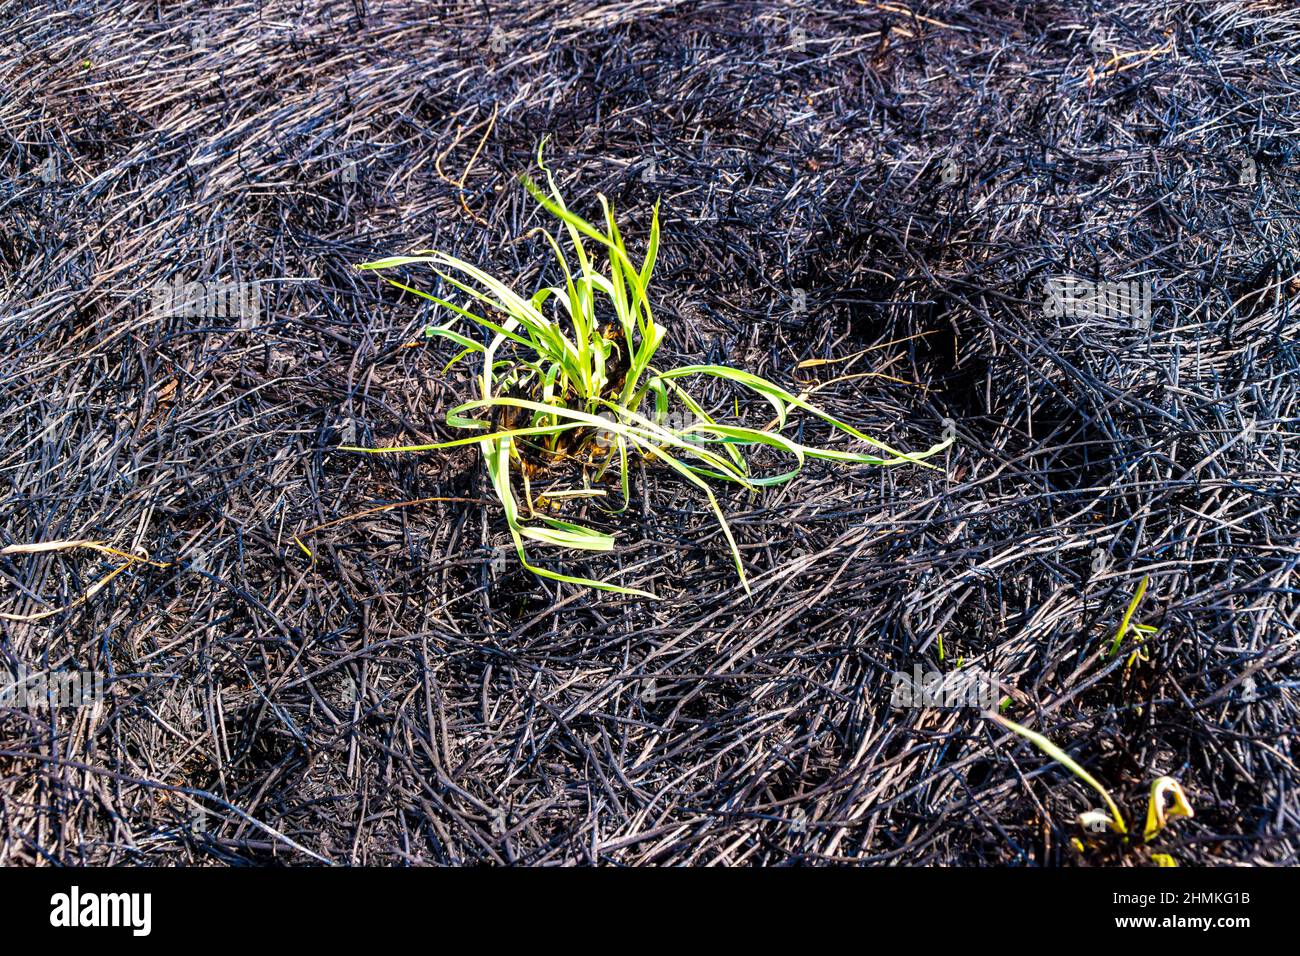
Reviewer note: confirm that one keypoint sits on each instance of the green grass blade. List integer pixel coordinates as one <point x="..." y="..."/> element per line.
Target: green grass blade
<point x="1128" y="616"/>
<point x="1068" y="762"/>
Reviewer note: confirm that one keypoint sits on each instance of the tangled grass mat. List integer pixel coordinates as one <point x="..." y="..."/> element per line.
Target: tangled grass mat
<point x="315" y="655"/>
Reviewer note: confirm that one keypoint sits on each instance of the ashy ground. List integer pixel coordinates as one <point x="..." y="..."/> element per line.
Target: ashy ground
<point x="890" y="206"/>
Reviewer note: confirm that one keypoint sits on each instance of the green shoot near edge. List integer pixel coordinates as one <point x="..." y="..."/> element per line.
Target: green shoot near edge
<point x="566" y="374"/>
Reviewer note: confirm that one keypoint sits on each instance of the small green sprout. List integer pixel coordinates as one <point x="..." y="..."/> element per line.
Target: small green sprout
<point x="1116" y="819"/>
<point x="1158" y="815"/>
<point x="1127" y="619"/>
<point x="568" y="370"/>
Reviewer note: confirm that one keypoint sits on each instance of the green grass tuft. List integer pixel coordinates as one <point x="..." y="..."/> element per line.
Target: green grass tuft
<point x="568" y="374"/>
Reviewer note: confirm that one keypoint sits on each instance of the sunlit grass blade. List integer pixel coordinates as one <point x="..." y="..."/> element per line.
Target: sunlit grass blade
<point x="1128" y="616"/>
<point x="1158" y="816"/>
<point x="1069" y="763"/>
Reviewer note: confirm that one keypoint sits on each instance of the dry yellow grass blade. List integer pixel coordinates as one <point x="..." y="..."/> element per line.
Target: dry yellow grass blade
<point x="45" y="547"/>
<point x="42" y="546"/>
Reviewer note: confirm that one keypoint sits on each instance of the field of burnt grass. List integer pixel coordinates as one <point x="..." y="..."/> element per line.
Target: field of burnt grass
<point x="1062" y="235"/>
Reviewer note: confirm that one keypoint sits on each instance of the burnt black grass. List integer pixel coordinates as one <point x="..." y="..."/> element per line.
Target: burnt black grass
<point x="861" y="202"/>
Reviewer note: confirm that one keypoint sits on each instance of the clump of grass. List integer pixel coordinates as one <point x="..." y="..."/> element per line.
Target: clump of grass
<point x="569" y="371"/>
